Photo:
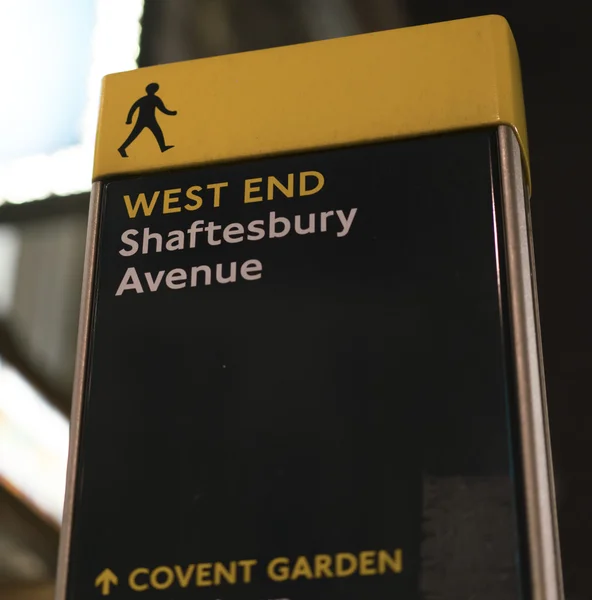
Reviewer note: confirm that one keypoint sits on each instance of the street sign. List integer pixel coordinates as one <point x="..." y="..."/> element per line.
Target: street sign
<point x="309" y="364"/>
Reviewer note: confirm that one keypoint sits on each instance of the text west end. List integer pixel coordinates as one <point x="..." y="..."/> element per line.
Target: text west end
<point x="191" y="198"/>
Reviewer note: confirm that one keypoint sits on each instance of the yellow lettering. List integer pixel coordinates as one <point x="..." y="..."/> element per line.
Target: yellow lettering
<point x="134" y="585"/>
<point x="367" y="562"/>
<point x="132" y="211"/>
<point x="340" y="569"/>
<point x="301" y="568"/>
<point x="216" y="187"/>
<point x="278" y="570"/>
<point x="183" y="578"/>
<point x="322" y="566"/>
<point x="202" y="573"/>
<point x="220" y="571"/>
<point x="274" y="182"/>
<point x="395" y="563"/>
<point x="162" y="585"/>
<point x="170" y="199"/>
<point x="250" y="188"/>
<point x="320" y="182"/>
<point x="191" y="195"/>
<point x="246" y="565"/>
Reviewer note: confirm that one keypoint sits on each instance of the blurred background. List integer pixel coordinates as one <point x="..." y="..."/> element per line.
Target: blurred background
<point x="54" y="54"/>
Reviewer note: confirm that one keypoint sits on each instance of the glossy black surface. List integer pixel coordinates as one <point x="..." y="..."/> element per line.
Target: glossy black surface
<point x="357" y="397"/>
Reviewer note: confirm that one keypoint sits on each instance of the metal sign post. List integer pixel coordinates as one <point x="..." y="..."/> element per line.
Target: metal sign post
<point x="309" y="364"/>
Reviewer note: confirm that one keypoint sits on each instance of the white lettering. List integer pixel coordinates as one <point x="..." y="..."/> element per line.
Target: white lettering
<point x="346" y="222"/>
<point x="176" y="241"/>
<point x="273" y="233"/>
<point x="130" y="281"/>
<point x="126" y="238"/>
<point x="251" y="270"/>
<point x="154" y="284"/>
<point x="174" y="276"/>
<point x="231" y="231"/>
<point x="151" y="236"/>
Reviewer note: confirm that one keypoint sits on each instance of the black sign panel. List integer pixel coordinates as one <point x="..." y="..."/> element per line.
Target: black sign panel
<point x="298" y="384"/>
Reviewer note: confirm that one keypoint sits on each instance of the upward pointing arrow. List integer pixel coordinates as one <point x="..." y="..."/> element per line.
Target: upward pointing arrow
<point x="105" y="580"/>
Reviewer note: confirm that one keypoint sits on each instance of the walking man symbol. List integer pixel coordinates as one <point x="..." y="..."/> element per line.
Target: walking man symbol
<point x="147" y="106"/>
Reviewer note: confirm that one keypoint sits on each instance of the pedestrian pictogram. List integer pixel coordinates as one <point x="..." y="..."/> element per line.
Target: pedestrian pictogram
<point x="105" y="580"/>
<point x="146" y="107"/>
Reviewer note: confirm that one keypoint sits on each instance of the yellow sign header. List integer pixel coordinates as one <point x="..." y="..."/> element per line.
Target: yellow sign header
<point x="365" y="88"/>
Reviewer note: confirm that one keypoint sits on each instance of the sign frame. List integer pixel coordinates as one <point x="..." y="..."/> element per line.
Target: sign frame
<point x="539" y="495"/>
